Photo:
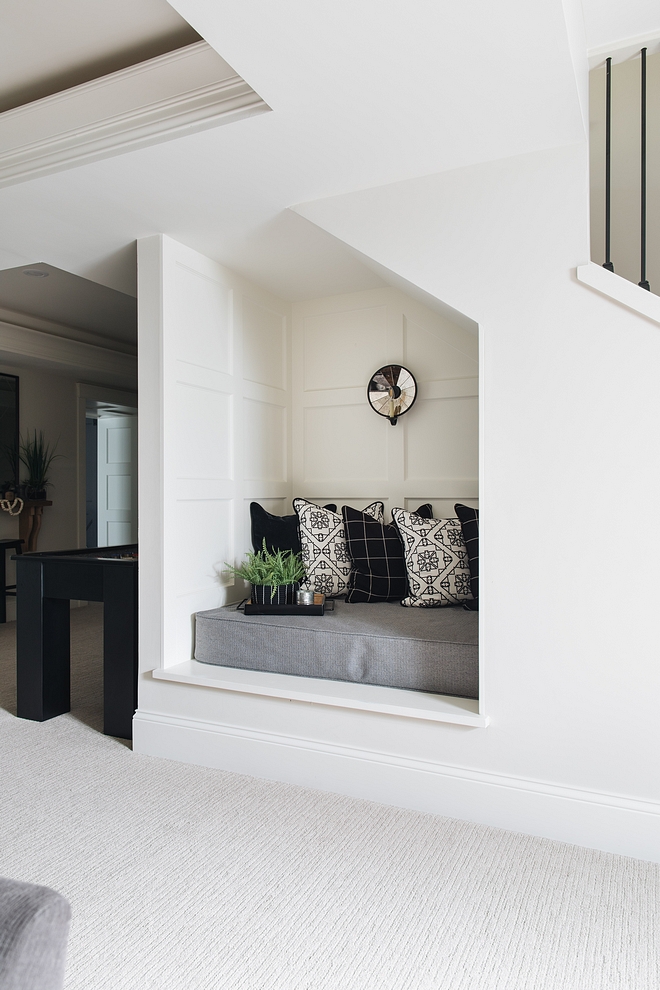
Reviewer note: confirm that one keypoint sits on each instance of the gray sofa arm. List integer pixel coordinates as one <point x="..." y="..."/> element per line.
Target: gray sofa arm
<point x="34" y="925"/>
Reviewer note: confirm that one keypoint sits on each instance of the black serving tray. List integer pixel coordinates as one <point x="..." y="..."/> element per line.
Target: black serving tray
<point x="319" y="607"/>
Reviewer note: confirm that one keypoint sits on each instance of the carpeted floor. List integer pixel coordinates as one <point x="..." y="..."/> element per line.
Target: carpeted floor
<point x="184" y="878"/>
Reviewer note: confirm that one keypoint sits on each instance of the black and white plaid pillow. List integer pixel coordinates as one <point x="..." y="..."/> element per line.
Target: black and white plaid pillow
<point x="325" y="553"/>
<point x="436" y="560"/>
<point x="378" y="573"/>
<point x="469" y="520"/>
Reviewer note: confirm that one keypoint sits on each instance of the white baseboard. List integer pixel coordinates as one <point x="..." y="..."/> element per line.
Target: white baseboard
<point x="608" y="822"/>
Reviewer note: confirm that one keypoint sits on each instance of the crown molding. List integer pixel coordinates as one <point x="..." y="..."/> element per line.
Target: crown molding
<point x="174" y="94"/>
<point x="25" y="321"/>
<point x="23" y="346"/>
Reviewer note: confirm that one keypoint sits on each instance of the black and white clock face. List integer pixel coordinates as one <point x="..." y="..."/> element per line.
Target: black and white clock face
<point x="392" y="391"/>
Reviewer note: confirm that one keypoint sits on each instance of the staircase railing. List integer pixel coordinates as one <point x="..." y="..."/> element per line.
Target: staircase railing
<point x="643" y="282"/>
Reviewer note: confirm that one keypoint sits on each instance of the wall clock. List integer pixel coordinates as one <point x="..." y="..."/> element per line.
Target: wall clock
<point x="392" y="391"/>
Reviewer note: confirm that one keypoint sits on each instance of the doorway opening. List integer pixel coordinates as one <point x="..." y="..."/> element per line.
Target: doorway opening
<point x="107" y="467"/>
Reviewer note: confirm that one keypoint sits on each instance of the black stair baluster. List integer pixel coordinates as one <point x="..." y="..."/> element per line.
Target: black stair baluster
<point x="643" y="281"/>
<point x="608" y="164"/>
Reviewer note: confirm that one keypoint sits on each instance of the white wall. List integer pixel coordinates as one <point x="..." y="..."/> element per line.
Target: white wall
<point x="625" y="162"/>
<point x="342" y="451"/>
<point x="570" y="406"/>
<point x="570" y="414"/>
<point x="214" y="434"/>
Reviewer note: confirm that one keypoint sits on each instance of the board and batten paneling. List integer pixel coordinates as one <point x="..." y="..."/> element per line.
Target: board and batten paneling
<point x="343" y="451"/>
<point x="215" y="358"/>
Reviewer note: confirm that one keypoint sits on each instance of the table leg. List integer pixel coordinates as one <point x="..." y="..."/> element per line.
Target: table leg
<point x="25" y="521"/>
<point x="42" y="650"/>
<point x="119" y="650"/>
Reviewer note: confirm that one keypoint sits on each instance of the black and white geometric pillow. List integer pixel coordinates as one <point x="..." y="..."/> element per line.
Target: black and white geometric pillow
<point x="325" y="553"/>
<point x="436" y="560"/>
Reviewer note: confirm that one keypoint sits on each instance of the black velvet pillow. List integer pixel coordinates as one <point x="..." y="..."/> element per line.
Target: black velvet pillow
<point x="378" y="571"/>
<point x="469" y="520"/>
<point x="279" y="532"/>
<point x="425" y="511"/>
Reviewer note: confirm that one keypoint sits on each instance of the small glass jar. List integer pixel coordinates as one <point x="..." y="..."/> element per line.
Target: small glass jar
<point x="305" y="597"/>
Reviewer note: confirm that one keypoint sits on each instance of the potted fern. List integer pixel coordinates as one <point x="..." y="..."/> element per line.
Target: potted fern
<point x="275" y="577"/>
<point x="37" y="454"/>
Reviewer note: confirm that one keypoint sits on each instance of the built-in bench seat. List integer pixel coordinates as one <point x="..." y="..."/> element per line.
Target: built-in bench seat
<point x="418" y="649"/>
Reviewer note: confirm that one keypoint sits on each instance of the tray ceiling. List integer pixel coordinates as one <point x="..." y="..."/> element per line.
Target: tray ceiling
<point x="46" y="47"/>
<point x="362" y="96"/>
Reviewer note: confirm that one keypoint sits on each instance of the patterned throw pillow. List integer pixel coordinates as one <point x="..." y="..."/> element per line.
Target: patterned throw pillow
<point x="469" y="520"/>
<point x="378" y="573"/>
<point x="436" y="560"/>
<point x="324" y="547"/>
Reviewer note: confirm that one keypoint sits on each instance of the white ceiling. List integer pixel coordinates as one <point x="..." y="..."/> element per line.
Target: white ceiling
<point x="47" y="46"/>
<point x="362" y="95"/>
<point x="609" y="22"/>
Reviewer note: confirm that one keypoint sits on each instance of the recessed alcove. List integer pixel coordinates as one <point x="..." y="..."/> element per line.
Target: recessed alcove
<point x="264" y="398"/>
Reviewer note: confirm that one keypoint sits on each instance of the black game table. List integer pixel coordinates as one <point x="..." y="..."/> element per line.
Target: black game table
<point x="45" y="584"/>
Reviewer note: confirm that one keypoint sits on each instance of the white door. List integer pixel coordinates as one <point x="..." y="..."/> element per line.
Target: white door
<point x="117" y="480"/>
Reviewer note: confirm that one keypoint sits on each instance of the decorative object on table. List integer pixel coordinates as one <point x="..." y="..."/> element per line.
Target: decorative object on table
<point x="392" y="391"/>
<point x="469" y="520"/>
<point x="37" y="454"/>
<point x="13" y="505"/>
<point x="436" y="560"/>
<point x="279" y="532"/>
<point x="318" y="606"/>
<point x="274" y="577"/>
<point x="305" y="597"/>
<point x="325" y="553"/>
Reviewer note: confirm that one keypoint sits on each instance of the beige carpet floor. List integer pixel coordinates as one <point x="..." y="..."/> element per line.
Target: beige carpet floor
<point x="184" y="878"/>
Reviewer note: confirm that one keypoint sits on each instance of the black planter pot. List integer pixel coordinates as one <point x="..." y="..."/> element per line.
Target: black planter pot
<point x="28" y="492"/>
<point x="265" y="594"/>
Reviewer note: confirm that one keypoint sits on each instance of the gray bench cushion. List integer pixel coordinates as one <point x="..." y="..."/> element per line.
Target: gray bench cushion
<point x="377" y="643"/>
